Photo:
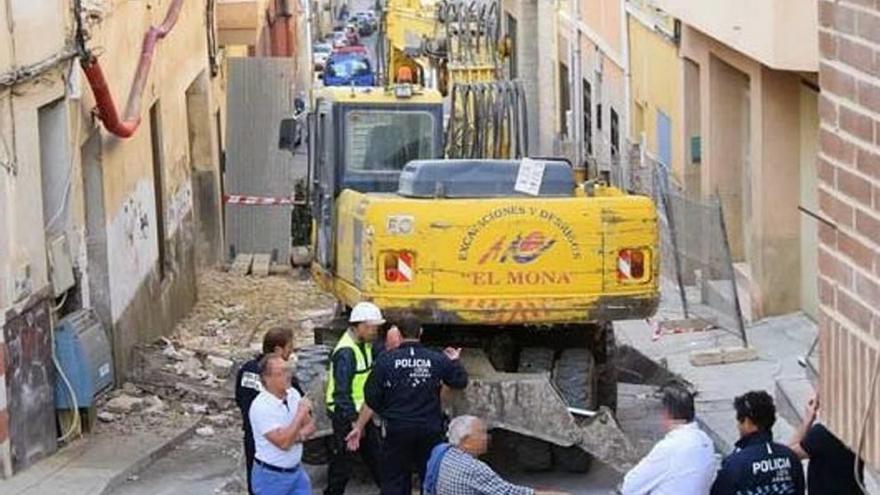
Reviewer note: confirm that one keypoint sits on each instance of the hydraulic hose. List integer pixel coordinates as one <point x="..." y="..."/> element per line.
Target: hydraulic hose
<point x="125" y="126"/>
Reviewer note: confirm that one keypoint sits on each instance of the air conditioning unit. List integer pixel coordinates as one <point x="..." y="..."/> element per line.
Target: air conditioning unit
<point x="84" y="356"/>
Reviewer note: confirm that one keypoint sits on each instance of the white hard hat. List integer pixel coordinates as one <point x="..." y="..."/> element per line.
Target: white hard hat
<point x="365" y="312"/>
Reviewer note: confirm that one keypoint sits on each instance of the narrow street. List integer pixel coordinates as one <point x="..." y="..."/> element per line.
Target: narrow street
<point x="601" y="225"/>
<point x="227" y="323"/>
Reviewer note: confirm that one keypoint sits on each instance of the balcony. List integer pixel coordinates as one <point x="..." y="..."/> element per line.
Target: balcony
<point x="782" y="34"/>
<point x="239" y="22"/>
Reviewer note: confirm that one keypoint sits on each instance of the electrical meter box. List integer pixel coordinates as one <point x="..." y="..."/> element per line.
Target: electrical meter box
<point x="84" y="356"/>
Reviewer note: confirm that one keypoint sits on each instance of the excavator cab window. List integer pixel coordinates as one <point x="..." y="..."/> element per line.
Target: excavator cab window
<point x="379" y="142"/>
<point x="386" y="141"/>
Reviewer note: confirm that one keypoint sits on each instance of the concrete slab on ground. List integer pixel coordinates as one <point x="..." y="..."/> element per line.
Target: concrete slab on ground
<point x="95" y="464"/>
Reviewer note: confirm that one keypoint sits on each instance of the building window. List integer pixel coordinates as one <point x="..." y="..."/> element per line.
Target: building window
<point x="564" y="99"/>
<point x="615" y="135"/>
<point x="158" y="183"/>
<point x="588" y="118"/>
<point x="599" y="116"/>
<point x="511" y="34"/>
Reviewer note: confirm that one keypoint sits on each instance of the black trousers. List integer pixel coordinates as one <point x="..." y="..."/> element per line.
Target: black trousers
<point x="406" y="451"/>
<point x="342" y="460"/>
<point x="249" y="450"/>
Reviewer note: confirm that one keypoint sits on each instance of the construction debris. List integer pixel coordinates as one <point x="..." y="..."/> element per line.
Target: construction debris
<point x="191" y="372"/>
<point x="124" y="404"/>
<point x="205" y="431"/>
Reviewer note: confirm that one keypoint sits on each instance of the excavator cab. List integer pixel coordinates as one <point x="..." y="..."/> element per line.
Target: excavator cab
<point x="361" y="140"/>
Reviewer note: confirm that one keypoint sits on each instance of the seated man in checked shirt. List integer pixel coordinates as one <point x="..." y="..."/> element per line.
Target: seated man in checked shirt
<point x="454" y="469"/>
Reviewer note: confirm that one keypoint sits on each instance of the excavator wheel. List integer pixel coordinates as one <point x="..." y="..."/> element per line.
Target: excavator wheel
<point x="574" y="374"/>
<point x="605" y="353"/>
<point x="312" y="363"/>
<point x="533" y="454"/>
<point x="572" y="459"/>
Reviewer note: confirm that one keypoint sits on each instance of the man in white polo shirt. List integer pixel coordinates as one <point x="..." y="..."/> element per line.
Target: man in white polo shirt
<point x="281" y="420"/>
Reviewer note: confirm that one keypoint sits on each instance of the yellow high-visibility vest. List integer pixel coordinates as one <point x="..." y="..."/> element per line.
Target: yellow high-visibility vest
<point x="363" y="366"/>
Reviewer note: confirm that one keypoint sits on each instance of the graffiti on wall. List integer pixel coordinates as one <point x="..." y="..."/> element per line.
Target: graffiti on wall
<point x="30" y="382"/>
<point x="133" y="245"/>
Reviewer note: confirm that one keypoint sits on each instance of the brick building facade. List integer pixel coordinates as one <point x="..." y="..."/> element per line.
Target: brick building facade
<point x="849" y="197"/>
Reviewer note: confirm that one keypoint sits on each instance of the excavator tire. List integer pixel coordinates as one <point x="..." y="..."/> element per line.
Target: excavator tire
<point x="606" y="368"/>
<point x="533" y="454"/>
<point x="574" y="374"/>
<point x="572" y="459"/>
<point x="312" y="364"/>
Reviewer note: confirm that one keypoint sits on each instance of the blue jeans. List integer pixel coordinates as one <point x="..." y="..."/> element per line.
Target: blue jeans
<point x="268" y="482"/>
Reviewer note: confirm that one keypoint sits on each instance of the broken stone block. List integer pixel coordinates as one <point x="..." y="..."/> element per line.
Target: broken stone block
<point x="130" y="389"/>
<point x="221" y="367"/>
<point x="196" y="408"/>
<point x="205" y="431"/>
<point x="154" y="404"/>
<point x="124" y="404"/>
<point x="171" y="353"/>
<point x="106" y="417"/>
<point x="191" y="367"/>
<point x="218" y="420"/>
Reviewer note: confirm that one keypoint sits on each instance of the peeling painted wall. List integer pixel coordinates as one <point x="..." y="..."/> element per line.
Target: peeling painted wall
<point x="133" y="245"/>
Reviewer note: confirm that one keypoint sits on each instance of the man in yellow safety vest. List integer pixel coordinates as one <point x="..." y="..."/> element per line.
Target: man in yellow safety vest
<point x="350" y="365"/>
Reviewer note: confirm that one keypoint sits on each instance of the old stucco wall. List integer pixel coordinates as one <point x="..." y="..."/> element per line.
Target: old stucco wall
<point x="146" y="298"/>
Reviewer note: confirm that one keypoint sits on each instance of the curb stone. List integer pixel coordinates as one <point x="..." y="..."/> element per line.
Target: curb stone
<point x="120" y="478"/>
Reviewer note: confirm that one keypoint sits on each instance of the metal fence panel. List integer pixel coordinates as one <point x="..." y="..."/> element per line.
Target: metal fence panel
<point x="695" y="252"/>
<point x="260" y="93"/>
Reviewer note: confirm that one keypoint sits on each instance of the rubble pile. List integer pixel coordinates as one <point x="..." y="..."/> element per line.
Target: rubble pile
<point x="233" y="312"/>
<point x="192" y="372"/>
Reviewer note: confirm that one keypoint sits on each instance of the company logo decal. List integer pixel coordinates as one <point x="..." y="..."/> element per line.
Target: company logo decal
<point x="522" y="249"/>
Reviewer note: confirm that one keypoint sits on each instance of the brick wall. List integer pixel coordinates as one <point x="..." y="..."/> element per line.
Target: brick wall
<point x="849" y="196"/>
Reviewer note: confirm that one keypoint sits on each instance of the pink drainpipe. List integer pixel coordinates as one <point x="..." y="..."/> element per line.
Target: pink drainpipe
<point x="126" y="125"/>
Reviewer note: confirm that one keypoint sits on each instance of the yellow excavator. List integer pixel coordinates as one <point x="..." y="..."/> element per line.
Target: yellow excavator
<point x="510" y="259"/>
<point x="504" y="255"/>
<point x="456" y="48"/>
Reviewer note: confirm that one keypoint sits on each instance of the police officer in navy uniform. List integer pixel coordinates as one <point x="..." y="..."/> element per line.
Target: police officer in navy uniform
<point x="278" y="341"/>
<point x="758" y="465"/>
<point x="350" y="365"/>
<point x="404" y="389"/>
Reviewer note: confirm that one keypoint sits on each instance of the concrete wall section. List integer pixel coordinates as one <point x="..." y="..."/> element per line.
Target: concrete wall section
<point x="751" y="143"/>
<point x="547" y="73"/>
<point x="656" y="77"/>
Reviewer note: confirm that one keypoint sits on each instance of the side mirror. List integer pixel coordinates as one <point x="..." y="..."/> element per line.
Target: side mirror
<point x="287" y="134"/>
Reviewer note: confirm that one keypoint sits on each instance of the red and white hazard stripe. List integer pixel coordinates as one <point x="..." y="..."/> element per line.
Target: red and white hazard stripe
<point x="405" y="266"/>
<point x="238" y="199"/>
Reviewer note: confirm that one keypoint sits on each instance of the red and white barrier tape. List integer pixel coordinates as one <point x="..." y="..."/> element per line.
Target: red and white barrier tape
<point x="238" y="199"/>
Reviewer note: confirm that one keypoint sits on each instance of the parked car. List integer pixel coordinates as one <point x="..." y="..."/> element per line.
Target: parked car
<point x="340" y="39"/>
<point x="349" y="68"/>
<point x="364" y="26"/>
<point x="320" y="53"/>
<point x="370" y="17"/>
<point x="361" y="49"/>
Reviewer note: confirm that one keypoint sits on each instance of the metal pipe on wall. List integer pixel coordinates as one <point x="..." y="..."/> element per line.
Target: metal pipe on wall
<point x="126" y="125"/>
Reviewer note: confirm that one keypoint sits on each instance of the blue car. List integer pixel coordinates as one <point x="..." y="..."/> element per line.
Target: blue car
<point x="346" y="69"/>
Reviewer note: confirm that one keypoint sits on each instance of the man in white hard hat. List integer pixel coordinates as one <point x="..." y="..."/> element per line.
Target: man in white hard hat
<point x="350" y="365"/>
